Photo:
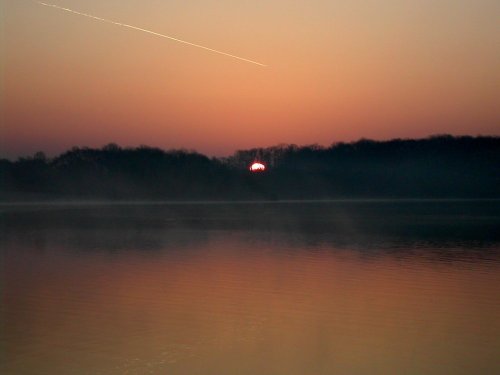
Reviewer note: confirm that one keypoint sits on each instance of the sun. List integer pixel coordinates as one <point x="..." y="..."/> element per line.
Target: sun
<point x="257" y="167"/>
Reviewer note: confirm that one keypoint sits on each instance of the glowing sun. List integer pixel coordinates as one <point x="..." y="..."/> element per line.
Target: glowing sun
<point x="257" y="167"/>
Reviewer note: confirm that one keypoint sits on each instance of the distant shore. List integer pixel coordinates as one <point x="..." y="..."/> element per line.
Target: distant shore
<point x="439" y="167"/>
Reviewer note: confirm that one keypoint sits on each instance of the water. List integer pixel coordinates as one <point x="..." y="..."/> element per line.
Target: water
<point x="373" y="287"/>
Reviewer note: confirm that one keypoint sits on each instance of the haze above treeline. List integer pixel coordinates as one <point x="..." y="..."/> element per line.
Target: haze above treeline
<point x="436" y="167"/>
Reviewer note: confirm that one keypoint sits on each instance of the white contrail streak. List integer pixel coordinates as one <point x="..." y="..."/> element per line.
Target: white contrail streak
<point x="147" y="31"/>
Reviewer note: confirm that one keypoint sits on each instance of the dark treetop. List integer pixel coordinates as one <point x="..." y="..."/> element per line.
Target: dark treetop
<point x="435" y="167"/>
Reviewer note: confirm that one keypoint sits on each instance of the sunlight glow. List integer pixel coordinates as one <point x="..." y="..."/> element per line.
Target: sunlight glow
<point x="257" y="167"/>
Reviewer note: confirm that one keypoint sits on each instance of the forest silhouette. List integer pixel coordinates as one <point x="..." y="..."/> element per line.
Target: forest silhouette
<point x="436" y="167"/>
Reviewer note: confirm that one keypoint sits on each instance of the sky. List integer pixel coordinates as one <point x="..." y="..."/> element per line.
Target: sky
<point x="336" y="71"/>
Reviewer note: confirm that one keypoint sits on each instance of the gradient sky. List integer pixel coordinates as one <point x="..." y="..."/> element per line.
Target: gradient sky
<point x="338" y="71"/>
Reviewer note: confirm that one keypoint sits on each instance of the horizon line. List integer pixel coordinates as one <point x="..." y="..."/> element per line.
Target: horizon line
<point x="192" y="150"/>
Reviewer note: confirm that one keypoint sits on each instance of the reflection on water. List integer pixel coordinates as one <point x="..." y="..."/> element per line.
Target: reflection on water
<point x="283" y="288"/>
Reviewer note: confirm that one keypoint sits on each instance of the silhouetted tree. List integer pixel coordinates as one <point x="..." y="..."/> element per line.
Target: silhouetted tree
<point x="438" y="166"/>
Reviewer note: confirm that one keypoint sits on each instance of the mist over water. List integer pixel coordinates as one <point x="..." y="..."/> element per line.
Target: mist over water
<point x="345" y="287"/>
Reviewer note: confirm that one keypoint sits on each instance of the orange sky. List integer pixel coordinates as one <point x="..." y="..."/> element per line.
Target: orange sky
<point x="338" y="71"/>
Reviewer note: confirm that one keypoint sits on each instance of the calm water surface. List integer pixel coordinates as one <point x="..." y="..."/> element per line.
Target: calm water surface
<point x="264" y="288"/>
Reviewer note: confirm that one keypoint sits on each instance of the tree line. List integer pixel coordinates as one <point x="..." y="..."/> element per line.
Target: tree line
<point x="435" y="167"/>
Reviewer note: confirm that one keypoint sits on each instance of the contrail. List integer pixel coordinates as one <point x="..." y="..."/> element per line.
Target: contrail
<point x="147" y="31"/>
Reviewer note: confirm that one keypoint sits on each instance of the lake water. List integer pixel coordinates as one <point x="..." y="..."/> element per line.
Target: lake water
<point x="312" y="288"/>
